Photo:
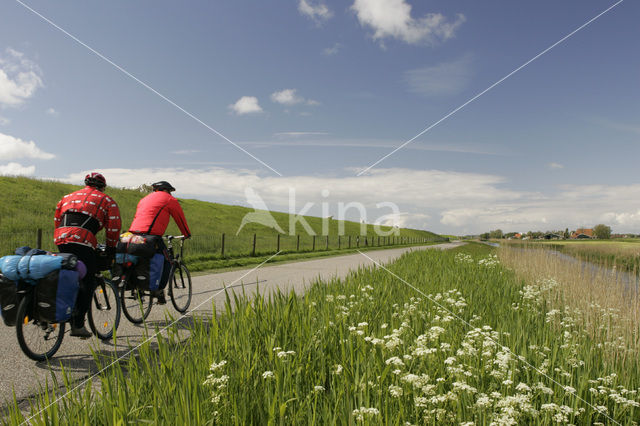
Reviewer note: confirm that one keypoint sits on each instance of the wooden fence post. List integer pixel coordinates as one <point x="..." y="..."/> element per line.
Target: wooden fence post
<point x="278" y="250"/>
<point x="222" y="249"/>
<point x="298" y="243"/>
<point x="313" y="247"/>
<point x="39" y="238"/>
<point x="349" y="241"/>
<point x="338" y="242"/>
<point x="357" y="241"/>
<point x="254" y="245"/>
<point x="327" y="245"/>
<point x="378" y="240"/>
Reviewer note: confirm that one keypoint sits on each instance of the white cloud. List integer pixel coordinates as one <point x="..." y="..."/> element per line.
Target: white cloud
<point x="12" y="148"/>
<point x="246" y="105"/>
<point x="392" y="19"/>
<point x="333" y="50"/>
<point x="468" y="148"/>
<point x="437" y="200"/>
<point x="52" y="112"/>
<point x="445" y="78"/>
<point x="429" y="189"/>
<point x="291" y="97"/>
<point x="555" y="166"/>
<point x="19" y="78"/>
<point x="15" y="169"/>
<point x="298" y="134"/>
<point x="286" y="97"/>
<point x="318" y="13"/>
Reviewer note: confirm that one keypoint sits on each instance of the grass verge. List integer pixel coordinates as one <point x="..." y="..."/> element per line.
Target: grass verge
<point x="203" y="265"/>
<point x="369" y="349"/>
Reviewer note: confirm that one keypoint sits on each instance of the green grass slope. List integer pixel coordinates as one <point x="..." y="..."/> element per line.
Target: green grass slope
<point x="28" y="204"/>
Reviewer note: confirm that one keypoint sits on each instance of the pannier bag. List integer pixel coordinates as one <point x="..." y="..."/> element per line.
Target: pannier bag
<point x="32" y="268"/>
<point x="148" y="273"/>
<point x="8" y="301"/>
<point x="56" y="295"/>
<point x="122" y="258"/>
<point x="139" y="245"/>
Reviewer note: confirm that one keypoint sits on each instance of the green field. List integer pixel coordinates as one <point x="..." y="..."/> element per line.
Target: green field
<point x="469" y="342"/>
<point x="28" y="204"/>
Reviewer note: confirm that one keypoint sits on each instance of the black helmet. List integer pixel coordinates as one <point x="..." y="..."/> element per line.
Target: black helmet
<point x="96" y="180"/>
<point x="162" y="186"/>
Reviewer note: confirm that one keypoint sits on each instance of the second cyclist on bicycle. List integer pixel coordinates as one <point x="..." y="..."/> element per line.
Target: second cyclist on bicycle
<point x="152" y="218"/>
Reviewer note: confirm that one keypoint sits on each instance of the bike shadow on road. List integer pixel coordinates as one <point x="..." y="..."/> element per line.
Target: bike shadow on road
<point x="104" y="353"/>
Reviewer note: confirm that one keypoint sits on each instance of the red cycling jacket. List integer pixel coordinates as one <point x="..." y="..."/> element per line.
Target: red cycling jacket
<point x="152" y="215"/>
<point x="91" y="202"/>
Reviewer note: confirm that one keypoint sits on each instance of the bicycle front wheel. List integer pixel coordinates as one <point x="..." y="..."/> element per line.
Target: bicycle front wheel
<point x="180" y="288"/>
<point x="136" y="304"/>
<point x="38" y="340"/>
<point x="104" y="311"/>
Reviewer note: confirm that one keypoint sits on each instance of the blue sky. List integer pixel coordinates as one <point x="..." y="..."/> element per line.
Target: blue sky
<point x="319" y="90"/>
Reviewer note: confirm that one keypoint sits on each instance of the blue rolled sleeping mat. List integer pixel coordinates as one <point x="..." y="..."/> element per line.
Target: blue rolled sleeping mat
<point x="31" y="268"/>
<point x="55" y="276"/>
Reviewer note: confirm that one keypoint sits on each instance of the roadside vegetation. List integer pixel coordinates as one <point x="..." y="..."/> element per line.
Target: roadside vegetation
<point x="469" y="341"/>
<point x="622" y="254"/>
<point x="28" y="204"/>
<point x="606" y="302"/>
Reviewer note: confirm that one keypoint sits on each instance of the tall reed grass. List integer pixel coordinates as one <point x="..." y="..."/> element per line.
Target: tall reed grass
<point x="604" y="299"/>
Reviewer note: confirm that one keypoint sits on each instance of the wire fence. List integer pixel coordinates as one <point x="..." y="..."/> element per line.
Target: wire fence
<point x="229" y="245"/>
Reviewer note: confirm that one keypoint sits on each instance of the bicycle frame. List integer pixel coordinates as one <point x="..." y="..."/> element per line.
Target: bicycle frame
<point x="173" y="258"/>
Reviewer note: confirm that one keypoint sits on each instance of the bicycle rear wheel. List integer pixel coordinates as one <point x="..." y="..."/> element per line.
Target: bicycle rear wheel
<point x="104" y="311"/>
<point x="38" y="340"/>
<point x="136" y="304"/>
<point x="180" y="288"/>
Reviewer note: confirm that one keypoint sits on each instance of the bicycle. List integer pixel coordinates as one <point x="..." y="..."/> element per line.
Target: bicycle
<point x="137" y="302"/>
<point x="40" y="340"/>
<point x="180" y="290"/>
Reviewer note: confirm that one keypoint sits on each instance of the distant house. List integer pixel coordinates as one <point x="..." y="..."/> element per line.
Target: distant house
<point x="582" y="234"/>
<point x="552" y="236"/>
<point x="517" y="235"/>
<point x="621" y="235"/>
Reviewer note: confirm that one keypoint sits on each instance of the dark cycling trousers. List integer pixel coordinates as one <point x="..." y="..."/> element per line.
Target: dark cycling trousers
<point x="162" y="249"/>
<point x="88" y="284"/>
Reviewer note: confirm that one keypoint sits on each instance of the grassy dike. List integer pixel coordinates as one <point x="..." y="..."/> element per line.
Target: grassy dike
<point x="371" y="350"/>
<point x="28" y="204"/>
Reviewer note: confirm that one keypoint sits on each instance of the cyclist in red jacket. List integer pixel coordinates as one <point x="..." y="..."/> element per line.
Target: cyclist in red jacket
<point x="79" y="217"/>
<point x="152" y="218"/>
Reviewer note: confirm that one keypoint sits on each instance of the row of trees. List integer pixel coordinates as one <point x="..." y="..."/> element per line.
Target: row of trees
<point x="600" y="231"/>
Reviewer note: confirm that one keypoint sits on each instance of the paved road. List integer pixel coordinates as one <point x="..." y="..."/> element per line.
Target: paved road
<point x="24" y="376"/>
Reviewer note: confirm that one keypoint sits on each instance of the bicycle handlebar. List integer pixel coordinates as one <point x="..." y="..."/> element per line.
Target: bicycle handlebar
<point x="175" y="237"/>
